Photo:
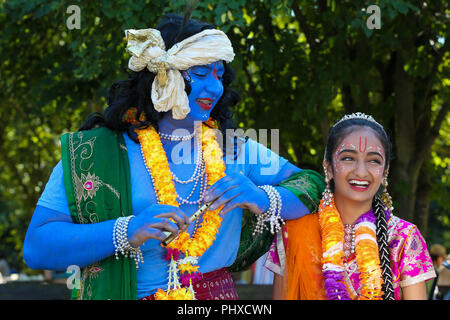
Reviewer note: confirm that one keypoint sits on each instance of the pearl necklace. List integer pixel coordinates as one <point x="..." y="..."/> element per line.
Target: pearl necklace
<point x="203" y="177"/>
<point x="199" y="166"/>
<point x="171" y="137"/>
<point x="198" y="175"/>
<point x="203" y="185"/>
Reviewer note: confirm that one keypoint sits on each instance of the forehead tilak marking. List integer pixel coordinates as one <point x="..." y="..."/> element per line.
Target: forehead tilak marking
<point x="360" y="144"/>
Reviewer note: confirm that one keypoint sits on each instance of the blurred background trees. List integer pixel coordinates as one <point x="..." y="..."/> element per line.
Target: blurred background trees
<point x="300" y="65"/>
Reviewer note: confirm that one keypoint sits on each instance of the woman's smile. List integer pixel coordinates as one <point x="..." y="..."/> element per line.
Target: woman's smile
<point x="359" y="185"/>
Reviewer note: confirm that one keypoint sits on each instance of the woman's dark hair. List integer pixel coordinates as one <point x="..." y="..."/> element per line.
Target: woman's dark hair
<point x="335" y="137"/>
<point x="135" y="92"/>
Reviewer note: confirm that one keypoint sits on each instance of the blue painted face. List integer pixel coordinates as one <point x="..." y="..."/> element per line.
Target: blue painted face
<point x="206" y="89"/>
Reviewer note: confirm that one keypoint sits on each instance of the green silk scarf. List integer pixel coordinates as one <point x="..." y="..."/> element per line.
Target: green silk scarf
<point x="308" y="186"/>
<point x="98" y="188"/>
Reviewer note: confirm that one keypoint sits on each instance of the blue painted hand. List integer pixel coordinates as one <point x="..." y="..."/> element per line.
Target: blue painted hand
<point x="237" y="190"/>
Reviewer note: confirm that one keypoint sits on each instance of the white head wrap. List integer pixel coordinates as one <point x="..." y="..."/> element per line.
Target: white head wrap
<point x="147" y="50"/>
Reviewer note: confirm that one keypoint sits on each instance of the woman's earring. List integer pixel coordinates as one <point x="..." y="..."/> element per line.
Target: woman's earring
<point x="385" y="196"/>
<point x="327" y="195"/>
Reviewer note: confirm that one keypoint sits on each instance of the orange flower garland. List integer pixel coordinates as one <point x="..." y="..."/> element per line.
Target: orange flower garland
<point x="180" y="294"/>
<point x="367" y="256"/>
<point x="156" y="161"/>
<point x="368" y="261"/>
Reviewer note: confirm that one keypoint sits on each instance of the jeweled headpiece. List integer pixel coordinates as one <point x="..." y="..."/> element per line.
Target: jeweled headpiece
<point x="358" y="115"/>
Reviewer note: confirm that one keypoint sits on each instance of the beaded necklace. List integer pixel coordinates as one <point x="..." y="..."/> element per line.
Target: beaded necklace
<point x="349" y="240"/>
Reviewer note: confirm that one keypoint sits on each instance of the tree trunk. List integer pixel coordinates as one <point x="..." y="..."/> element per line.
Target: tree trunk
<point x="405" y="174"/>
<point x="422" y="208"/>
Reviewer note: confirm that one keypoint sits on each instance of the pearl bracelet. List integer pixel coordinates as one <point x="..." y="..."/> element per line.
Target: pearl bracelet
<point x="272" y="215"/>
<point x="121" y="243"/>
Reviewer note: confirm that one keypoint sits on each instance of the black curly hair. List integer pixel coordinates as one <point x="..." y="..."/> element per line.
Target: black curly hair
<point x="134" y="92"/>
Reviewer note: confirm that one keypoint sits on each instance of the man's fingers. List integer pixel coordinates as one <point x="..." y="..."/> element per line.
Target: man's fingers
<point x="224" y="199"/>
<point x="182" y="221"/>
<point x="164" y="226"/>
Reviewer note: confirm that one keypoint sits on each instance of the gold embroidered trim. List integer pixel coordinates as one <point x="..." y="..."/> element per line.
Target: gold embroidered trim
<point x="421" y="277"/>
<point x="85" y="189"/>
<point x="303" y="184"/>
<point x="86" y="186"/>
<point x="89" y="273"/>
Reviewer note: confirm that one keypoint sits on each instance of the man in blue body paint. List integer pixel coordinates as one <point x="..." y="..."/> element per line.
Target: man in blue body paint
<point x="57" y="236"/>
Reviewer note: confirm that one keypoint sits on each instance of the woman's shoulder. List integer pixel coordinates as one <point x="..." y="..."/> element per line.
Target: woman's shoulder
<point x="409" y="252"/>
<point x="404" y="235"/>
<point x="398" y="224"/>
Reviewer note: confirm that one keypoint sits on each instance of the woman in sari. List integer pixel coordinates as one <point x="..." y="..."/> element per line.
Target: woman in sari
<point x="353" y="247"/>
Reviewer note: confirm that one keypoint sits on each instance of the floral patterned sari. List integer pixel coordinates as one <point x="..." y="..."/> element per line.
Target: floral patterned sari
<point x="409" y="257"/>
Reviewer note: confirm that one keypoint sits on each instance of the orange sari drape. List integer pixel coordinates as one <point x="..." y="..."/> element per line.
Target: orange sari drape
<point x="303" y="278"/>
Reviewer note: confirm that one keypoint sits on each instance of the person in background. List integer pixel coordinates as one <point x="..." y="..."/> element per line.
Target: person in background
<point x="439" y="288"/>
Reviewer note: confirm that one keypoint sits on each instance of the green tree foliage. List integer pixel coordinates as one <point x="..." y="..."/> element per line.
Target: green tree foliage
<point x="300" y="65"/>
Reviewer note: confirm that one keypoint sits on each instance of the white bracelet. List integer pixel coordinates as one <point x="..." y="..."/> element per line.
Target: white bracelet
<point x="121" y="243"/>
<point x="272" y="215"/>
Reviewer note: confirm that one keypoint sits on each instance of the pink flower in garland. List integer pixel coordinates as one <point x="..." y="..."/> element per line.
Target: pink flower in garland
<point x="172" y="254"/>
<point x="194" y="277"/>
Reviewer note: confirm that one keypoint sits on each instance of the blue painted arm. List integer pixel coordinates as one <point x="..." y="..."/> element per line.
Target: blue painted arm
<point x="54" y="242"/>
<point x="292" y="207"/>
<point x="238" y="190"/>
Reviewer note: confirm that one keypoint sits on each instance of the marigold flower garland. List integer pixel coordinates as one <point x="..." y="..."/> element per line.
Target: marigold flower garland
<point x="192" y="247"/>
<point x="366" y="249"/>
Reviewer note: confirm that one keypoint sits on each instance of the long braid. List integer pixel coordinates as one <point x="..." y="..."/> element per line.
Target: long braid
<point x="383" y="247"/>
